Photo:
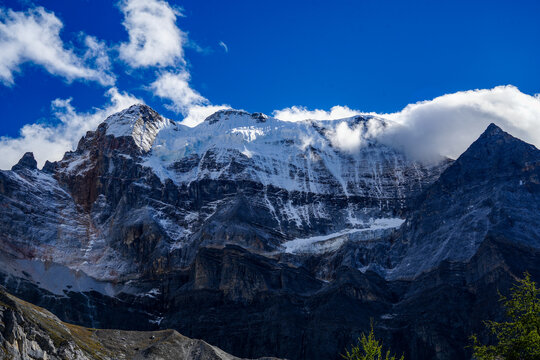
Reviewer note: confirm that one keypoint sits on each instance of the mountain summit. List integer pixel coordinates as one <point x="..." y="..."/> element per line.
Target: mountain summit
<point x="140" y="122"/>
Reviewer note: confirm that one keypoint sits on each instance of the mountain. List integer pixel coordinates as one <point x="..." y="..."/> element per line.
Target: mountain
<point x="141" y="194"/>
<point x="491" y="191"/>
<point x="30" y="332"/>
<point x="269" y="238"/>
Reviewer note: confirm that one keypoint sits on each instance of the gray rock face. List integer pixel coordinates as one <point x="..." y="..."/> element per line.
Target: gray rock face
<point x="267" y="238"/>
<point x="491" y="191"/>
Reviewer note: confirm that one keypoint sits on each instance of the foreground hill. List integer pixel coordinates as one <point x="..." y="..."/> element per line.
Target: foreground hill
<point x="30" y="332"/>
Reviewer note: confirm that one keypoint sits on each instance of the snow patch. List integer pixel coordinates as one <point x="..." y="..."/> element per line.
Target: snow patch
<point x="331" y="242"/>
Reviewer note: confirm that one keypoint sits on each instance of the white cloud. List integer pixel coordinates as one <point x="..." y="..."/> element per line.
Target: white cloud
<point x="51" y="142"/>
<point x="97" y="52"/>
<point x="197" y="113"/>
<point x="352" y="138"/>
<point x="448" y="124"/>
<point x="175" y="87"/>
<point x="347" y="138"/>
<point x="445" y="126"/>
<point x="154" y="38"/>
<point x="185" y="100"/>
<point x="224" y="46"/>
<point x="34" y="36"/>
<point x="299" y="113"/>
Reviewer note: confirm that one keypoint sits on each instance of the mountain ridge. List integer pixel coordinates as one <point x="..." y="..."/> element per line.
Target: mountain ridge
<point x="245" y="221"/>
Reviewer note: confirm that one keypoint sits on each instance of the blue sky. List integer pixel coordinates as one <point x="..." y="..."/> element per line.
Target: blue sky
<point x="373" y="56"/>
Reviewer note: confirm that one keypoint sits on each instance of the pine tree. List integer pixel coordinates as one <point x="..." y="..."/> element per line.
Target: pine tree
<point x="518" y="338"/>
<point x="368" y="348"/>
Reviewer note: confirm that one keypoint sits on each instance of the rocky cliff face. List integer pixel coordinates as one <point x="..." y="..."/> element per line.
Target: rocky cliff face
<point x="267" y="238"/>
<point x="491" y="191"/>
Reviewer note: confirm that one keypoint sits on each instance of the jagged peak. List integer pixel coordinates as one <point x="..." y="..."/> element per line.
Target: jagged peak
<point x="493" y="130"/>
<point x="27" y="161"/>
<point x="495" y="153"/>
<point x="496" y="138"/>
<point x="232" y="113"/>
<point x="140" y="122"/>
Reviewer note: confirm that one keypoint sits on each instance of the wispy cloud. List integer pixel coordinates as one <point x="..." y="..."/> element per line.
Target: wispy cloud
<point x="224" y="46"/>
<point x="154" y="38"/>
<point x="33" y="36"/>
<point x="198" y="48"/>
<point x="50" y="142"/>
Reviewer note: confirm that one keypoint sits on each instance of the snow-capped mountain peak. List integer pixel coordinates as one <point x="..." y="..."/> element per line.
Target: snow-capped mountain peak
<point x="232" y="114"/>
<point x="140" y="122"/>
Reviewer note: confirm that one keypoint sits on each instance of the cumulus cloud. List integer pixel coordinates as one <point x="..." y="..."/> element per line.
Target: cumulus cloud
<point x="50" y="142"/>
<point x="184" y="100"/>
<point x="175" y="87"/>
<point x="34" y="36"/>
<point x="156" y="41"/>
<point x="300" y="113"/>
<point x="154" y="38"/>
<point x="448" y="124"/>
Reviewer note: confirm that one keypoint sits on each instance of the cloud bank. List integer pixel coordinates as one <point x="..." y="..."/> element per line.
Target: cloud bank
<point x="448" y="124"/>
<point x="444" y="126"/>
<point x="50" y="142"/>
<point x="34" y="36"/>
